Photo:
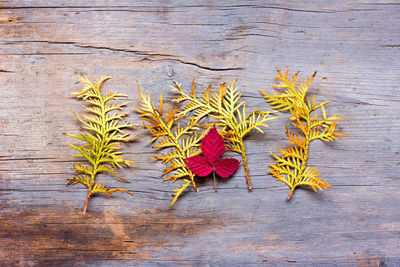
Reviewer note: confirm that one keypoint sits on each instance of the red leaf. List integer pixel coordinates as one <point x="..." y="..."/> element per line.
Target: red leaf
<point x="226" y="167"/>
<point x="199" y="165"/>
<point x="213" y="146"/>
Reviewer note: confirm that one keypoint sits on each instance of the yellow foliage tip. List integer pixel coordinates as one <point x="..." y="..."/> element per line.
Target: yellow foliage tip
<point x="179" y="191"/>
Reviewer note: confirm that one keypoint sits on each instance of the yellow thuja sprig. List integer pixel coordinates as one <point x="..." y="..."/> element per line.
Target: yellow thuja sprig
<point x="291" y="167"/>
<point x="102" y="136"/>
<point x="225" y="107"/>
<point x="183" y="141"/>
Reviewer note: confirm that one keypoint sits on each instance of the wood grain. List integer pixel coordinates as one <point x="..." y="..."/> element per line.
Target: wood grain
<point x="354" y="46"/>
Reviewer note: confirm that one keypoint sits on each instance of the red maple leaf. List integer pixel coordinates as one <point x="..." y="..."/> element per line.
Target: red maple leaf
<point x="213" y="148"/>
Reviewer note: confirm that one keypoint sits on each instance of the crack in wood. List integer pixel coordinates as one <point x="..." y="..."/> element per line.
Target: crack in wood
<point x="168" y="57"/>
<point x="120" y="8"/>
<point x="6" y="71"/>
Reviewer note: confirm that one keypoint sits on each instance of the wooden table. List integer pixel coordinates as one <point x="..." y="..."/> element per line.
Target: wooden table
<point x="355" y="47"/>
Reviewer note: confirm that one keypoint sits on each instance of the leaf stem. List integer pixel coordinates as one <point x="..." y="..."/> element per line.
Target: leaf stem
<point x="306" y="133"/>
<point x="89" y="194"/>
<point x="87" y="200"/>
<point x="246" y="168"/>
<point x="291" y="193"/>
<point x="215" y="181"/>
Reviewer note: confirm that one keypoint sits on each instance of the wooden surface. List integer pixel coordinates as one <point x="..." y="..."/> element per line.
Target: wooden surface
<point x="355" y="47"/>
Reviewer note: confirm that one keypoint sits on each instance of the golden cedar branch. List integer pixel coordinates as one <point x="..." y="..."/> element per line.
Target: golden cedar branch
<point x="102" y="136"/>
<point x="168" y="132"/>
<point x="291" y="166"/>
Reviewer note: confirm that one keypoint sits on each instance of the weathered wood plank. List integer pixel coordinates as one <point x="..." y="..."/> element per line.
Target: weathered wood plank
<point x="353" y="46"/>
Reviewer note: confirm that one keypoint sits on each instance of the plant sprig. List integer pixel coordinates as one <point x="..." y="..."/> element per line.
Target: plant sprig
<point x="183" y="141"/>
<point x="291" y="166"/>
<point x="102" y="136"/>
<point x="228" y="112"/>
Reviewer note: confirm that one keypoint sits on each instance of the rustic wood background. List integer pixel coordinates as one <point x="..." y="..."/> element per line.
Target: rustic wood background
<point x="354" y="46"/>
